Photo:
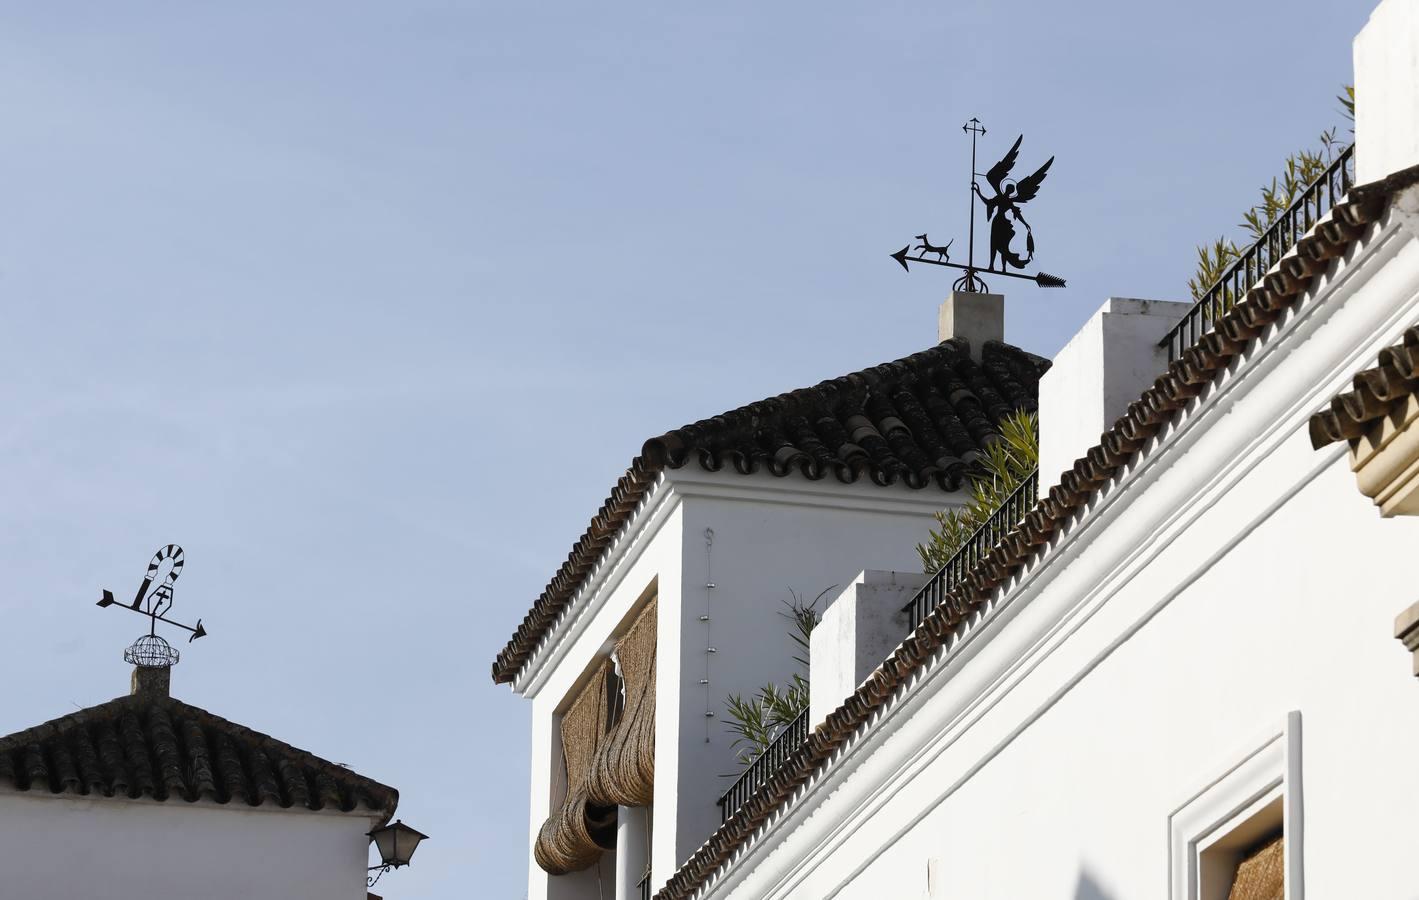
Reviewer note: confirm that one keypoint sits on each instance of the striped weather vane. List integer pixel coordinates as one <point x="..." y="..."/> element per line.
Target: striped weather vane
<point x="1009" y="248"/>
<point x="151" y="650"/>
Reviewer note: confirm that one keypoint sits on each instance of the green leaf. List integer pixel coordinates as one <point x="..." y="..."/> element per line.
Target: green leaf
<point x="1003" y="466"/>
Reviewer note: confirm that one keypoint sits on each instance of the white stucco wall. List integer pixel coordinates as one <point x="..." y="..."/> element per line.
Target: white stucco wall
<point x="1102" y="369"/>
<point x="1236" y="576"/>
<point x="62" y="848"/>
<point x="859" y="629"/>
<point x="770" y="535"/>
<point x="1387" y="90"/>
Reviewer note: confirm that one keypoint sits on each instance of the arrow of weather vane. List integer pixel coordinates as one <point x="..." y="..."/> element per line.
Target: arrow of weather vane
<point x="1003" y="212"/>
<point x="159" y="601"/>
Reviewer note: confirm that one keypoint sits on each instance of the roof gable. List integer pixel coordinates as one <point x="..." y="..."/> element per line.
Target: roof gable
<point x="155" y="746"/>
<point x="920" y="421"/>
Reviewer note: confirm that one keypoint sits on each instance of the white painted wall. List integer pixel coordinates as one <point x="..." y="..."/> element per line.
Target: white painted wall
<point x="1101" y="370"/>
<point x="1387" y="90"/>
<point x="1235" y="576"/>
<point x="63" y="848"/>
<point x="859" y="629"/>
<point x="770" y="535"/>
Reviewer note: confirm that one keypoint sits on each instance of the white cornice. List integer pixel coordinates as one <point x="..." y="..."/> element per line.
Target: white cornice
<point x="625" y="548"/>
<point x="985" y="663"/>
<point x="205" y="803"/>
<point x="765" y="487"/>
<point x="665" y="495"/>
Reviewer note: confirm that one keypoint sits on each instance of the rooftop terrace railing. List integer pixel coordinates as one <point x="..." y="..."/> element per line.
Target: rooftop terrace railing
<point x="1309" y="208"/>
<point x="981" y="542"/>
<point x="759" y="771"/>
<point x="976" y="548"/>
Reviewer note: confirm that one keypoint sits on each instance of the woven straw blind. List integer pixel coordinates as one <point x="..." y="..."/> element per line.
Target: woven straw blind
<point x="576" y="832"/>
<point x="1261" y="876"/>
<point x="623" y="773"/>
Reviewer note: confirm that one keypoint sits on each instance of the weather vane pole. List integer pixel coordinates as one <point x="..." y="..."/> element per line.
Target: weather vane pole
<point x="1003" y="212"/>
<point x="976" y="129"/>
<point x="150" y="650"/>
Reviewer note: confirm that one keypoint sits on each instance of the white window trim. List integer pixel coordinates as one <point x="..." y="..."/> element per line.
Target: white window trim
<point x="1265" y="768"/>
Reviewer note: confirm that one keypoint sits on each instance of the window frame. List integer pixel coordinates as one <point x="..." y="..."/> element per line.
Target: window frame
<point x="1264" y="770"/>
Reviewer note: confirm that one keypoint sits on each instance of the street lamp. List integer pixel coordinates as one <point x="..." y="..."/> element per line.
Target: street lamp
<point x="397" y="843"/>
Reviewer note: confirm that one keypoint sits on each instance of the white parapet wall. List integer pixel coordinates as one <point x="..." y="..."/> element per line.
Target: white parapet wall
<point x="1102" y="369"/>
<point x="859" y="629"/>
<point x="1387" y="91"/>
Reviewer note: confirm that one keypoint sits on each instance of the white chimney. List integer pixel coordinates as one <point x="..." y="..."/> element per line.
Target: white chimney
<point x="976" y="317"/>
<point x="858" y="630"/>
<point x="1387" y="91"/>
<point x="1103" y="368"/>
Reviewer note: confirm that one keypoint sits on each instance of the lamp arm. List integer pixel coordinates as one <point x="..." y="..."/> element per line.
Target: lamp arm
<point x="370" y="880"/>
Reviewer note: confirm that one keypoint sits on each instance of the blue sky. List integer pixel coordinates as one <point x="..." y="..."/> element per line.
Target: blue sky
<point x="368" y="305"/>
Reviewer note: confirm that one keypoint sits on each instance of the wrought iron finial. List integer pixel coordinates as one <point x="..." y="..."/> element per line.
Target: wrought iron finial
<point x="151" y="650"/>
<point x="1003" y="212"/>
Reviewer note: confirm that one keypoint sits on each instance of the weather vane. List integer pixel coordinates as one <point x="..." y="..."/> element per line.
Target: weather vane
<point x="1003" y="212"/>
<point x="150" y="650"/>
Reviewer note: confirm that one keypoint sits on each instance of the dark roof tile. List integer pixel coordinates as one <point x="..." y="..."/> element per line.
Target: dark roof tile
<point x="1376" y="393"/>
<point x="146" y="745"/>
<point x="920" y="421"/>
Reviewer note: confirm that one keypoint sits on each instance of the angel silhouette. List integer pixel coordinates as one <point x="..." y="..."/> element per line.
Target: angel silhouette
<point x="1005" y="206"/>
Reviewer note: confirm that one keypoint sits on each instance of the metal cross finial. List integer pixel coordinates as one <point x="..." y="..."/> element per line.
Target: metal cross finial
<point x="1003" y="211"/>
<point x="155" y="602"/>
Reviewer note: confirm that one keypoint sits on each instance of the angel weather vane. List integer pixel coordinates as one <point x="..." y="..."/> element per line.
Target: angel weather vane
<point x="154" y="602"/>
<point x="1003" y="213"/>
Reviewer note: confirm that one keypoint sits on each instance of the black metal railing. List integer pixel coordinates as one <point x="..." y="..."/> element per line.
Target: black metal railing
<point x="765" y="765"/>
<point x="1309" y="208"/>
<point x="979" y="545"/>
<point x="643" y="886"/>
<point x="981" y="542"/>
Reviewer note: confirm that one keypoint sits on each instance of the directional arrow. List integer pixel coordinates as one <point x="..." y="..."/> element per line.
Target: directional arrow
<point x="1043" y="279"/>
<point x="197" y="630"/>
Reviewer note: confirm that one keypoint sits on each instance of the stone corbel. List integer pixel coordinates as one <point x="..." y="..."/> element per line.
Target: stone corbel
<point x="1406" y="630"/>
<point x="1386" y="461"/>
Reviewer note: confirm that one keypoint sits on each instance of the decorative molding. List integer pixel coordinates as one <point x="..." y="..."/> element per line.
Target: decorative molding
<point x="670" y="489"/>
<point x="1254" y="778"/>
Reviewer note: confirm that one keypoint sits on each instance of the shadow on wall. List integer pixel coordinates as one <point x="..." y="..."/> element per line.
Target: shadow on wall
<point x="1089" y="889"/>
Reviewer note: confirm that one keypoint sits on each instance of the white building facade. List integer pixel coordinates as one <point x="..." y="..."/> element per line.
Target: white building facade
<point x="146" y="797"/>
<point x="1177" y="678"/>
<point x="717" y="544"/>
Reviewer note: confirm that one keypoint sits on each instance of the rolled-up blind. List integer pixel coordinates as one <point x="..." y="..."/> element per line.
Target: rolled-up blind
<point x="577" y="831"/>
<point x="623" y="773"/>
<point x="1262" y="875"/>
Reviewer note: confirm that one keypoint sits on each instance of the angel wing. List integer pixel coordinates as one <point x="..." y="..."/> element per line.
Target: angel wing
<point x="997" y="173"/>
<point x="1029" y="187"/>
